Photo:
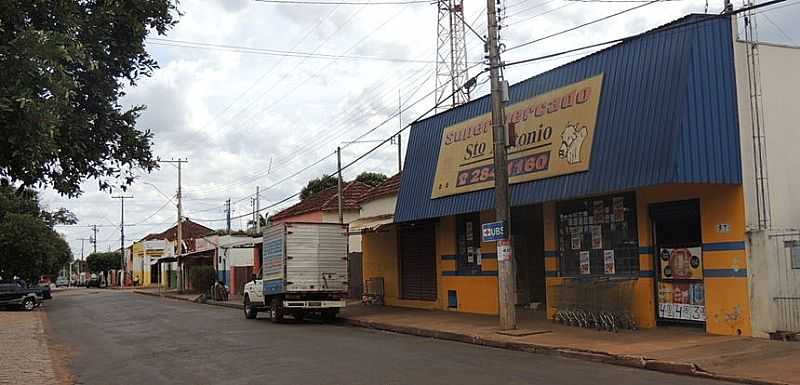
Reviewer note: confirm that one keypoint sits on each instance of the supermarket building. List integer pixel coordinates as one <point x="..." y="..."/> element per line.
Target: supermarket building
<point x="633" y="187"/>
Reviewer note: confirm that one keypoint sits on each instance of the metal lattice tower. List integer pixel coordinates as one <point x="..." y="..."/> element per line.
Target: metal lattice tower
<point x="451" y="55"/>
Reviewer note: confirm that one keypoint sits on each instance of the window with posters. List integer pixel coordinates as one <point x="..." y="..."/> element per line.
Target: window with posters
<point x="679" y="257"/>
<point x="468" y="241"/>
<point x="598" y="236"/>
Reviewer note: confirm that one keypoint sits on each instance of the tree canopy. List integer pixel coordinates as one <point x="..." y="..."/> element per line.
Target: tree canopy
<point x="102" y="262"/>
<point x="29" y="247"/>
<point x="316" y="185"/>
<point x="63" y="65"/>
<point x="371" y="178"/>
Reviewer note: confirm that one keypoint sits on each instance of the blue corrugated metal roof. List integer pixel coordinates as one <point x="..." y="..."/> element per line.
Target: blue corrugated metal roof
<point x="667" y="115"/>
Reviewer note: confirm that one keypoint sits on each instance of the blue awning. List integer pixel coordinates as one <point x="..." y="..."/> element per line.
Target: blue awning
<point x="668" y="114"/>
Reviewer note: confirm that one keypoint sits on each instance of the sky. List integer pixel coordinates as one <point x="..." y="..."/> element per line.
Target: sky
<point x="245" y="118"/>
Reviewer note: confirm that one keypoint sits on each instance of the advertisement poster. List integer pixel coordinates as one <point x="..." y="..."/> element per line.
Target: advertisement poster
<point x="553" y="135"/>
<point x="619" y="209"/>
<point x="597" y="237"/>
<point x="584" y="267"/>
<point x="683" y="301"/>
<point x="576" y="237"/>
<point x="504" y="252"/>
<point x="681" y="263"/>
<point x="598" y="212"/>
<point x="609" y="265"/>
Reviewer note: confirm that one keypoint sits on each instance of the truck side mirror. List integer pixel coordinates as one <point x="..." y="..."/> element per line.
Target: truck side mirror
<point x="253" y="277"/>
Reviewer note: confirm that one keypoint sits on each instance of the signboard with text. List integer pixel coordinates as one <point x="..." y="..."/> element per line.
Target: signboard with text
<point x="552" y="135"/>
<point x="492" y="232"/>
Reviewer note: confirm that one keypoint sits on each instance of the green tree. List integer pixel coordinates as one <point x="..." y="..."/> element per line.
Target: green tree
<point x="314" y="186"/>
<point x="371" y="178"/>
<point x="29" y="247"/>
<point x="63" y="65"/>
<point x="102" y="262"/>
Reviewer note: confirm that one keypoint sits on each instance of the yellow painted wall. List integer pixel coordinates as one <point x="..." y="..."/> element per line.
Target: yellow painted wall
<point x="727" y="304"/>
<point x="379" y="259"/>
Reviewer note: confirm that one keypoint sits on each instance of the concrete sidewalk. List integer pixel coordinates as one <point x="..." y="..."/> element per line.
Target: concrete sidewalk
<point x="671" y="349"/>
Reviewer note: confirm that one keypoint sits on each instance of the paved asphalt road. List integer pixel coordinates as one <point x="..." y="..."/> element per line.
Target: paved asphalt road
<point x="124" y="338"/>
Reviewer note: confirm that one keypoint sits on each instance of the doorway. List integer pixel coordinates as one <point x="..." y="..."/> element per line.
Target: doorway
<point x="417" y="246"/>
<point x="527" y="230"/>
<point x="680" y="292"/>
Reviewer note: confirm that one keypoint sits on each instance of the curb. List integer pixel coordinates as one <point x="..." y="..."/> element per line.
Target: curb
<point x="170" y="296"/>
<point x="681" y="368"/>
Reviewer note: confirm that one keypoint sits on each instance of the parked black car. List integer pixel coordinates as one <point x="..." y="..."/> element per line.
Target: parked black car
<point x="44" y="290"/>
<point x="15" y="292"/>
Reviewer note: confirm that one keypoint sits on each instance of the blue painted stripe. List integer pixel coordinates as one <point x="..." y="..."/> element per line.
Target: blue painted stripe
<point x="647" y="273"/>
<point x="725" y="273"/>
<point x="723" y="246"/>
<point x="646" y="250"/>
<point x="456" y="257"/>
<point x="469" y="274"/>
<point x="550" y="254"/>
<point x="551" y="274"/>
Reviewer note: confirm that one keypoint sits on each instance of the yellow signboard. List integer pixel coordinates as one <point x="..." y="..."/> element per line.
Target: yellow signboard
<point x="551" y="134"/>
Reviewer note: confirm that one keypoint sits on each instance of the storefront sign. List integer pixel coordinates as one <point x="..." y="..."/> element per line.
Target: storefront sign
<point x="504" y="251"/>
<point x="552" y="135"/>
<point x="492" y="231"/>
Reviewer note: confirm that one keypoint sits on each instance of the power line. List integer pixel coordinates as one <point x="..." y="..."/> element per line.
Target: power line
<point x="649" y="32"/>
<point x="584" y="24"/>
<point x="275" y="52"/>
<point x="314" y="2"/>
<point x="778" y="27"/>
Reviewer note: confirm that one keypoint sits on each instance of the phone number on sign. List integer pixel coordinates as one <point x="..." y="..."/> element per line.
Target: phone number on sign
<point x="519" y="166"/>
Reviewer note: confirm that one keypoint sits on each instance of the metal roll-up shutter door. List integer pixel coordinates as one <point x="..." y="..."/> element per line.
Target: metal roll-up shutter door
<point x="418" y="262"/>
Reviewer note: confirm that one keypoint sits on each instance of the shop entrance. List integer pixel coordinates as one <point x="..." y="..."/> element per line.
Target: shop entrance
<point x="527" y="228"/>
<point x="417" y="246"/>
<point x="680" y="295"/>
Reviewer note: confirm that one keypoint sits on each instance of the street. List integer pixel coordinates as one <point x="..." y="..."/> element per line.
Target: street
<point x="116" y="337"/>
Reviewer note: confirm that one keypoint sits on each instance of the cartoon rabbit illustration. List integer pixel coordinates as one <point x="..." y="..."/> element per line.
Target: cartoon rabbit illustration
<point x="571" y="142"/>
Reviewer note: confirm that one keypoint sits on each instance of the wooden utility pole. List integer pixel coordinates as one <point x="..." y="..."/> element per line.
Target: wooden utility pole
<point x="179" y="229"/>
<point x="94" y="238"/>
<point x="228" y="216"/>
<point x="505" y="261"/>
<point x="122" y="234"/>
<point x="339" y="182"/>
<point x="400" y="134"/>
<point x="258" y="209"/>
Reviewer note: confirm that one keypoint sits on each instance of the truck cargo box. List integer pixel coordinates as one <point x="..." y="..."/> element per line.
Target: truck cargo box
<point x="305" y="257"/>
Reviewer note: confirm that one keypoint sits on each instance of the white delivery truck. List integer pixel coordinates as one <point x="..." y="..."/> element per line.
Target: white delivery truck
<point x="304" y="270"/>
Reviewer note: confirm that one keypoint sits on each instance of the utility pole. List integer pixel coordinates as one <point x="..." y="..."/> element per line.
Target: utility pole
<point x="94" y="238"/>
<point x="122" y="233"/>
<point x="399" y="133"/>
<point x="79" y="262"/>
<point x="179" y="229"/>
<point x="228" y="215"/>
<point x="339" y="182"/>
<point x="505" y="274"/>
<point x="258" y="209"/>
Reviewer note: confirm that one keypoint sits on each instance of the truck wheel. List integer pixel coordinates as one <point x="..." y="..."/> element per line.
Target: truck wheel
<point x="28" y="304"/>
<point x="250" y="311"/>
<point x="276" y="308"/>
<point x="329" y="315"/>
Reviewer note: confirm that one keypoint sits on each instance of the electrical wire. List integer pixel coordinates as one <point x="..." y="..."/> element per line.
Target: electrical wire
<point x="315" y="2"/>
<point x="275" y="52"/>
<point x="604" y="18"/>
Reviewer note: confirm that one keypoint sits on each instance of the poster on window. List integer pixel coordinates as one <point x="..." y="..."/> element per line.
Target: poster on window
<point x="598" y="211"/>
<point x="584" y="265"/>
<point x="681" y="263"/>
<point x="619" y="209"/>
<point x="597" y="237"/>
<point x="609" y="265"/>
<point x="683" y="301"/>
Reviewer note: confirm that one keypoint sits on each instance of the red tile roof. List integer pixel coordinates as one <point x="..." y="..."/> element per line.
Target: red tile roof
<point x="191" y="230"/>
<point x="327" y="200"/>
<point x="389" y="187"/>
